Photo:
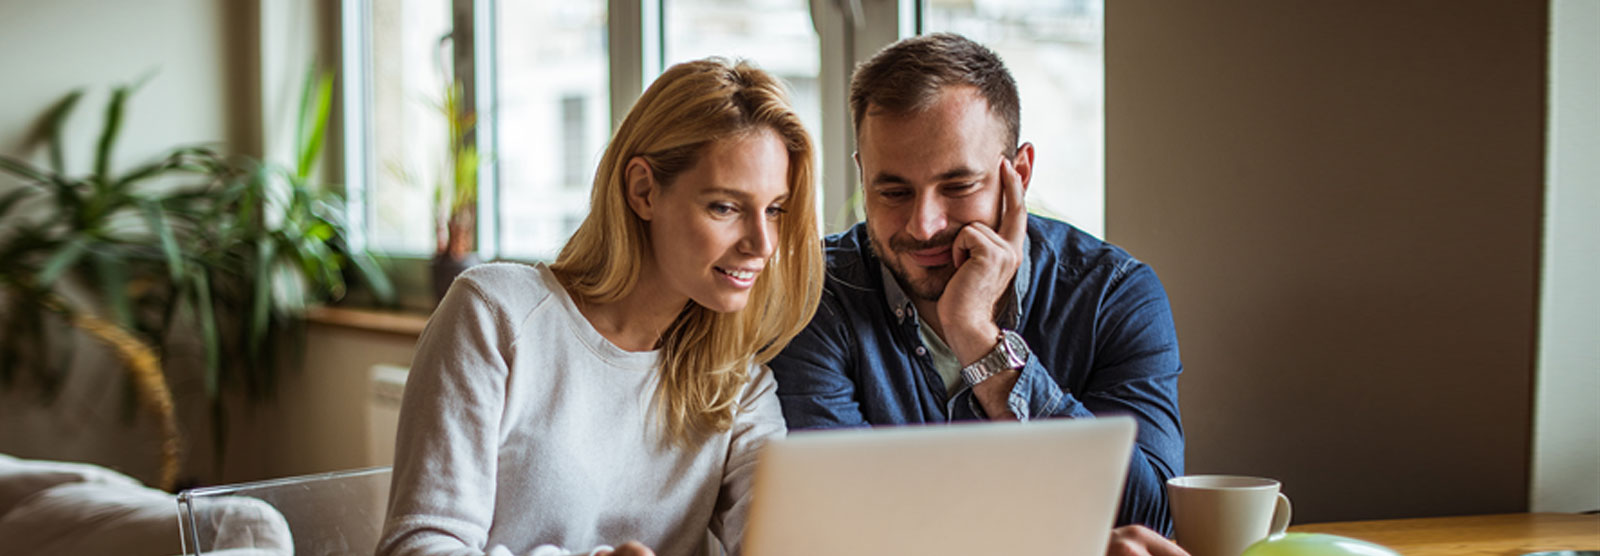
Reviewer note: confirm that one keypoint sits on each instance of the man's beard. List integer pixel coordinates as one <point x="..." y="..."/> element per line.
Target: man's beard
<point x="931" y="287"/>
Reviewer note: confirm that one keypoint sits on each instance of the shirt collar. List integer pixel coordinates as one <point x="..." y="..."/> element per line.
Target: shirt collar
<point x="1010" y="312"/>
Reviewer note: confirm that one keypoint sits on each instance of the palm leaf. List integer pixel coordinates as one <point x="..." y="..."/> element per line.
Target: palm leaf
<point x="261" y="297"/>
<point x="22" y="170"/>
<point x="315" y="104"/>
<point x="12" y="197"/>
<point x="374" y="276"/>
<point x="206" y="314"/>
<point x="112" y="274"/>
<point x="54" y="123"/>
<point x="108" y="135"/>
<point x="156" y="217"/>
<point x="58" y="263"/>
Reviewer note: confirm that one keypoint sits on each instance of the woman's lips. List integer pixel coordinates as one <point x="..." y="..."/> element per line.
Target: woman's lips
<point x="739" y="277"/>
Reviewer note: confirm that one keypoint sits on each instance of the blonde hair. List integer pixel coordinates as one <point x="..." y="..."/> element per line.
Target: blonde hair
<point x="705" y="355"/>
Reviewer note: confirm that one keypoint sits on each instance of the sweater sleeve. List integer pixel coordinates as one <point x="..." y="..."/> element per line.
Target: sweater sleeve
<point x="759" y="420"/>
<point x="442" y="492"/>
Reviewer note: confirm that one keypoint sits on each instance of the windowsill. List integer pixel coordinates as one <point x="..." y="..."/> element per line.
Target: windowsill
<point x="400" y="323"/>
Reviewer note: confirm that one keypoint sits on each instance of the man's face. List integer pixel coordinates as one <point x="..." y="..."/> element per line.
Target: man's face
<point x="926" y="175"/>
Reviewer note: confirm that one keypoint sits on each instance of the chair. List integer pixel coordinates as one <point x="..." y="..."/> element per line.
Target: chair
<point x="311" y="515"/>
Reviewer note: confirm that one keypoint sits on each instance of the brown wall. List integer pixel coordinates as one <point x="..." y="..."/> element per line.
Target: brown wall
<point x="1344" y="201"/>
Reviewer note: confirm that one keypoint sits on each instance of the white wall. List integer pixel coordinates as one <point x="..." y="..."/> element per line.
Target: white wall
<point x="51" y="48"/>
<point x="1566" y="444"/>
<point x="199" y="92"/>
<point x="1345" y="203"/>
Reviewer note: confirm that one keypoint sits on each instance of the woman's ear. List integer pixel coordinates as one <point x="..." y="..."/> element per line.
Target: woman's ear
<point x="640" y="187"/>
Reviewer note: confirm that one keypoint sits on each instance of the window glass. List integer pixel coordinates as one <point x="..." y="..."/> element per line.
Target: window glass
<point x="552" y="102"/>
<point x="407" y="136"/>
<point x="776" y="35"/>
<point x="1055" y="49"/>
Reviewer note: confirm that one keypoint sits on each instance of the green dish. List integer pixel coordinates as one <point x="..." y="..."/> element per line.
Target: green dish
<point x="1315" y="544"/>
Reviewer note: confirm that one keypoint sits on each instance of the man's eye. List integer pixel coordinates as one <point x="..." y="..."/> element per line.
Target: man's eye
<point x="894" y="194"/>
<point x="961" y="188"/>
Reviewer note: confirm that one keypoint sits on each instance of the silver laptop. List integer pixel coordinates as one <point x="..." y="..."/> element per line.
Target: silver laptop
<point x="1043" y="487"/>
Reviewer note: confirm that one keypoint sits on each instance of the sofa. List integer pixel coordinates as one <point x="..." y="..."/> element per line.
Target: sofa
<point x="51" y="507"/>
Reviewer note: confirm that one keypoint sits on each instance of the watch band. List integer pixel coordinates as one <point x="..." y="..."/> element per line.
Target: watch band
<point x="1010" y="353"/>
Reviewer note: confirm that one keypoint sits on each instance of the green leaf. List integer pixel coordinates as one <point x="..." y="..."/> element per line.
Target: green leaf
<point x="170" y="163"/>
<point x="12" y="197"/>
<point x="315" y="104"/>
<point x="55" y="122"/>
<point x="261" y="299"/>
<point x="108" y="136"/>
<point x="113" y="277"/>
<point x="374" y="276"/>
<point x="157" y="219"/>
<point x="22" y="169"/>
<point x="208" y="331"/>
<point x="62" y="260"/>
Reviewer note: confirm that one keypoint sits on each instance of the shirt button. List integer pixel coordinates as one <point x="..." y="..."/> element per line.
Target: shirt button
<point x="899" y="313"/>
<point x="922" y="350"/>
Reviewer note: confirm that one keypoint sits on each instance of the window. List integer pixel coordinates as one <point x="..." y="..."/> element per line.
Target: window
<point x="776" y="35"/>
<point x="550" y="80"/>
<point x="1054" y="48"/>
<point x="406" y="135"/>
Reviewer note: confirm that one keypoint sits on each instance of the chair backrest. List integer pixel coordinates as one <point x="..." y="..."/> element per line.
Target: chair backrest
<point x="310" y="515"/>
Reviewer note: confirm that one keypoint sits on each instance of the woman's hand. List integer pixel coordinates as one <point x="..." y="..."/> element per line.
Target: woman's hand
<point x="631" y="548"/>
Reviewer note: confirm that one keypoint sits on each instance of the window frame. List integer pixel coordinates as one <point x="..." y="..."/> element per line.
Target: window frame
<point x="849" y="32"/>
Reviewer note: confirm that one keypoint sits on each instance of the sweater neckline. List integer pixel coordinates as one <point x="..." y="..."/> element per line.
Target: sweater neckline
<point x="589" y="335"/>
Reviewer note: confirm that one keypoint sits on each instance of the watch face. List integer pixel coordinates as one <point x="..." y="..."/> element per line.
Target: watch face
<point x="1016" y="350"/>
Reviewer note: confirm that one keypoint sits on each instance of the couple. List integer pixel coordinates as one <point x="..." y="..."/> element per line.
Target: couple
<point x="620" y="394"/>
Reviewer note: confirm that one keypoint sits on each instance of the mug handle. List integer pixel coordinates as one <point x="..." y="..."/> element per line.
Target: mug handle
<point x="1280" y="516"/>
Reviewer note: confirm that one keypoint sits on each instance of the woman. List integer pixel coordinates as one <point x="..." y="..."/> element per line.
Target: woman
<point x="619" y="393"/>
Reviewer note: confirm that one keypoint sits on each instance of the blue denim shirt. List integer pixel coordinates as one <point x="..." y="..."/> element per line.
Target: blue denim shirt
<point x="1095" y="319"/>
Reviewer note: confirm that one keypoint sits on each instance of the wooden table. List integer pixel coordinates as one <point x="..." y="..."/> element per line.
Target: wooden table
<point x="1478" y="535"/>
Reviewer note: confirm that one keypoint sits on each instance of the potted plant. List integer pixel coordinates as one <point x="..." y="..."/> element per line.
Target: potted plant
<point x="455" y="198"/>
<point x="233" y="246"/>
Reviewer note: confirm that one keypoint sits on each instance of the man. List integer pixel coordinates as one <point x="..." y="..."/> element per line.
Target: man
<point x="952" y="303"/>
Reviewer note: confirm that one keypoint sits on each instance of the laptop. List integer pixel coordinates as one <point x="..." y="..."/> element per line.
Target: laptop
<point x="1042" y="487"/>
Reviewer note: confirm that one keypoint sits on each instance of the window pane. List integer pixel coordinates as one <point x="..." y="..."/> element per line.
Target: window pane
<point x="552" y="96"/>
<point x="776" y="35"/>
<point x="1054" y="48"/>
<point x="408" y="135"/>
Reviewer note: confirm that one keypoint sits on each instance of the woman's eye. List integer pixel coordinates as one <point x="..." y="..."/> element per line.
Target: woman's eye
<point x="774" y="212"/>
<point x="722" y="209"/>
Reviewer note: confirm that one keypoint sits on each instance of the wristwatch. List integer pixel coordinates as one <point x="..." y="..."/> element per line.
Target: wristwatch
<point x="1009" y="354"/>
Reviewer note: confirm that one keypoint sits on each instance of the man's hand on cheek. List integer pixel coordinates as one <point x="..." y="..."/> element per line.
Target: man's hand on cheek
<point x="986" y="261"/>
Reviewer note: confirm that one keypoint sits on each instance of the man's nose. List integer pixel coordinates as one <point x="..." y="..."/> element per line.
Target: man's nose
<point x="928" y="218"/>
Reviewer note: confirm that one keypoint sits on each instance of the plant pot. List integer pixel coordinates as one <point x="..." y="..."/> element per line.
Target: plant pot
<point x="445" y="269"/>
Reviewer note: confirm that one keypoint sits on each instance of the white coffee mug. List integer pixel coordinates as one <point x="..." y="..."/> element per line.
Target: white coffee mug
<point x="1221" y="515"/>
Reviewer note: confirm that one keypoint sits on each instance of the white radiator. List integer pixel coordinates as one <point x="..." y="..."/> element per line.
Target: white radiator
<point x="388" y="383"/>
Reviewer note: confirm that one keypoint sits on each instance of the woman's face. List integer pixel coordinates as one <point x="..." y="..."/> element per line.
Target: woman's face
<point x="714" y="229"/>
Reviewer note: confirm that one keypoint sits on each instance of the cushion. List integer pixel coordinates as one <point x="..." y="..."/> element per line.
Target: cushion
<point x="92" y="518"/>
<point x="21" y="478"/>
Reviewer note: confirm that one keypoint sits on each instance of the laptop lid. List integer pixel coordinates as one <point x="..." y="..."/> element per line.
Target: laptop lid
<point x="1042" y="487"/>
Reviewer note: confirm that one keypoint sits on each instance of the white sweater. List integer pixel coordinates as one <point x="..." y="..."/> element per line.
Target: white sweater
<point x="523" y="427"/>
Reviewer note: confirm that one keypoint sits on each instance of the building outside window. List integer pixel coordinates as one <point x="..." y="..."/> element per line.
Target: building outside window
<point x="548" y="89"/>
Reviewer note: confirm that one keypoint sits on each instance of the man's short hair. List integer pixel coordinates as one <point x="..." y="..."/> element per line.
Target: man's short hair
<point x="907" y="76"/>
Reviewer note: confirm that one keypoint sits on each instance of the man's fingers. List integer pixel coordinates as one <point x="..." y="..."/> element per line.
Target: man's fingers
<point x="633" y="548"/>
<point x="1138" y="540"/>
<point x="1013" y="212"/>
<point x="974" y="237"/>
